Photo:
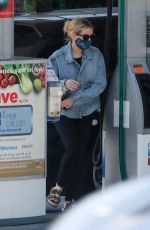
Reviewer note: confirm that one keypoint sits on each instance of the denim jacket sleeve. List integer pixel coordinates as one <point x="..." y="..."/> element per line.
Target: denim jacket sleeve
<point x="97" y="87"/>
<point x="53" y="64"/>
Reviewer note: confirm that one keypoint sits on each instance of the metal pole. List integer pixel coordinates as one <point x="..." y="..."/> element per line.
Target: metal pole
<point x="6" y="29"/>
<point x="121" y="89"/>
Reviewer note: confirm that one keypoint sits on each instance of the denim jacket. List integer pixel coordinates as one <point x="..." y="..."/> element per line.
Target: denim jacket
<point x="91" y="75"/>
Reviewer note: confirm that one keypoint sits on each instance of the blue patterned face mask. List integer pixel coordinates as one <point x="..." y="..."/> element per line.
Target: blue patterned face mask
<point x="83" y="43"/>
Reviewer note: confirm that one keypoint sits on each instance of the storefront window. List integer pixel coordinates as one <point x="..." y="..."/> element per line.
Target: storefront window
<point x="25" y="6"/>
<point x="49" y="5"/>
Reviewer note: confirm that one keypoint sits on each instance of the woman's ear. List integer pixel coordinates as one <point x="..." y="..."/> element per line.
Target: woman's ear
<point x="72" y="35"/>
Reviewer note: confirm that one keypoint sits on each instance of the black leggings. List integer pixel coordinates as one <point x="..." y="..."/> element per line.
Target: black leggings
<point x="75" y="134"/>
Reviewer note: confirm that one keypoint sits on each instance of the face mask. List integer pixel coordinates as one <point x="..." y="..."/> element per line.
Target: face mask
<point x="83" y="44"/>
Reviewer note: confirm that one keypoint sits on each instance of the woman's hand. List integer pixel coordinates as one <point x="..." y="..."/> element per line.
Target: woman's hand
<point x="72" y="84"/>
<point x="67" y="103"/>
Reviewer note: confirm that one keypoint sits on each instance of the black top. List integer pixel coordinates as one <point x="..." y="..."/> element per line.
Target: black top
<point x="78" y="60"/>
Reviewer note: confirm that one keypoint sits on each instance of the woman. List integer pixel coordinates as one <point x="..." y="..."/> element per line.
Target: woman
<point x="81" y="68"/>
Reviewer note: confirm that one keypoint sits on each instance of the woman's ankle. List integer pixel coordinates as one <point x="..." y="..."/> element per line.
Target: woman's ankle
<point x="68" y="204"/>
<point x="59" y="188"/>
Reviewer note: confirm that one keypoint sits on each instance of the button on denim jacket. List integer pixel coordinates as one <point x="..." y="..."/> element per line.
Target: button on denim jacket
<point x="91" y="75"/>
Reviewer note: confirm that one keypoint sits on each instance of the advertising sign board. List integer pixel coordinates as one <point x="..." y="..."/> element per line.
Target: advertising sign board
<point x="22" y="122"/>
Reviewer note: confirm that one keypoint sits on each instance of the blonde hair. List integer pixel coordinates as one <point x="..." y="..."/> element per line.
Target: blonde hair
<point x="76" y="25"/>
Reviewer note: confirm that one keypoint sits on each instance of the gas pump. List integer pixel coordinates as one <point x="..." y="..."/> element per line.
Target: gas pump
<point x="134" y="161"/>
<point x="22" y="130"/>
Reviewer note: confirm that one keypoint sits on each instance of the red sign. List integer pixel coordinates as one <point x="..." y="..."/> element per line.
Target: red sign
<point x="6" y="8"/>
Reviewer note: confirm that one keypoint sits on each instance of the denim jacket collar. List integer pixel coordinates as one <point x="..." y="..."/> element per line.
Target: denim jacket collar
<point x="67" y="50"/>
